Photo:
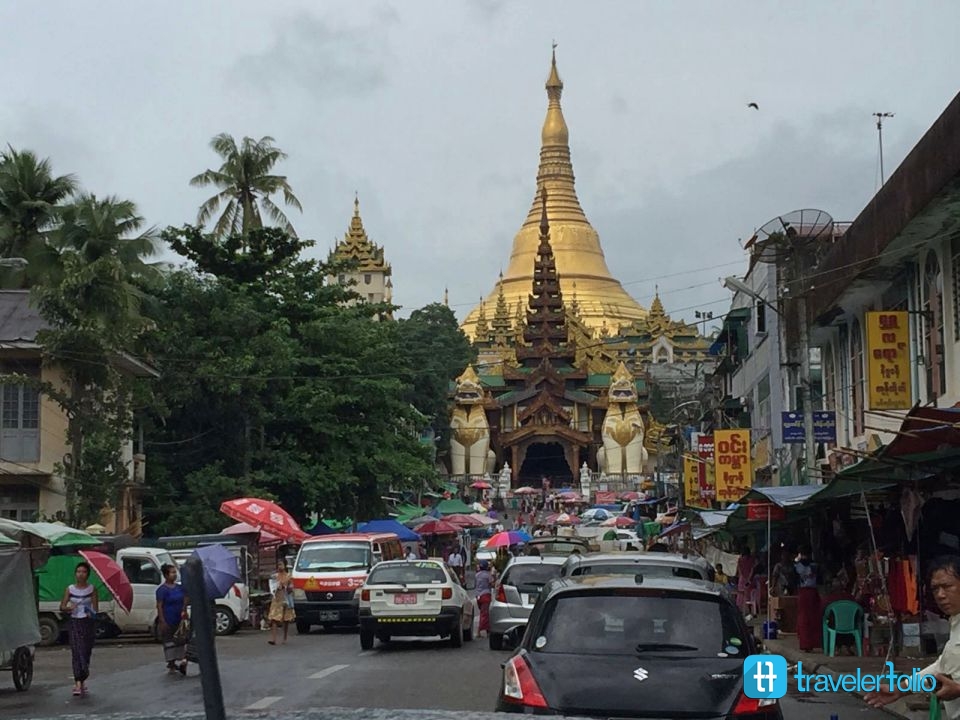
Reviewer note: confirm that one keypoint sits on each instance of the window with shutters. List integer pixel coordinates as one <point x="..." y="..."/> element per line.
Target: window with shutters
<point x="20" y="419"/>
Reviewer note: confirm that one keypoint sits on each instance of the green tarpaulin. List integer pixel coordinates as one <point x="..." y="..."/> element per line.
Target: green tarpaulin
<point x="58" y="572"/>
<point x="453" y="507"/>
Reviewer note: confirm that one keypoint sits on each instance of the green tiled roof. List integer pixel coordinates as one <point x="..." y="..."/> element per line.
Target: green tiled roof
<point x="598" y="379"/>
<point x="493" y="380"/>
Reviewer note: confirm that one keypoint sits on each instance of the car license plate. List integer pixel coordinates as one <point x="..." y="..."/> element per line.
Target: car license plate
<point x="329" y="615"/>
<point x="405" y="599"/>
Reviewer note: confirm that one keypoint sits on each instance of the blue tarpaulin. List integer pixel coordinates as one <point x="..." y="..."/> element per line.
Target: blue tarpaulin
<point x="391" y="526"/>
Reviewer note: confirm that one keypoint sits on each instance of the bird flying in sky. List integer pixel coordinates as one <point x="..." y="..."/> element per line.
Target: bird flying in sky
<point x="753" y="105"/>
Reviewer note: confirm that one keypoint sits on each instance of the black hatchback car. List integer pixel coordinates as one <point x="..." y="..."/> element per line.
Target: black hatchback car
<point x="605" y="647"/>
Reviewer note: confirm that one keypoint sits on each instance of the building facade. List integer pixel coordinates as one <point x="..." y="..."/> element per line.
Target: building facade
<point x="33" y="428"/>
<point x="895" y="275"/>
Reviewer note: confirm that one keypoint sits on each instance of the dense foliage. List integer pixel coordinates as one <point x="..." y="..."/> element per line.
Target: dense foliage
<point x="272" y="380"/>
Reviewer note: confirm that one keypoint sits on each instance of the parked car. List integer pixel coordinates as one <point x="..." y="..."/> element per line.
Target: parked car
<point x="517" y="592"/>
<point x="650" y="564"/>
<point x="555" y="545"/>
<point x="414" y="597"/>
<point x="620" y="647"/>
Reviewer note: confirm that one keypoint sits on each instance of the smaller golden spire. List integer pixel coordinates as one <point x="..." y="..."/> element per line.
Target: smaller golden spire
<point x="555" y="130"/>
<point x="482" y="330"/>
<point x="656" y="307"/>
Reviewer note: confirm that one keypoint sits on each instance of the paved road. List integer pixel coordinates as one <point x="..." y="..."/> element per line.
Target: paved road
<point x="309" y="672"/>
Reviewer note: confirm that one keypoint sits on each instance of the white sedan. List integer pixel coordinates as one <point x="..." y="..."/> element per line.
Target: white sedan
<point x="414" y="598"/>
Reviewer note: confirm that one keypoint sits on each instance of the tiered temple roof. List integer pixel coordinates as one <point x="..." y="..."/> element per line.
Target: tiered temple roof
<point x="357" y="247"/>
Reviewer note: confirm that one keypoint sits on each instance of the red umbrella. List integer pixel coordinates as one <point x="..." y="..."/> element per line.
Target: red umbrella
<point x="114" y="579"/>
<point x="243" y="528"/>
<point x="464" y="521"/>
<point x="438" y="527"/>
<point x="631" y="495"/>
<point x="481" y="485"/>
<point x="571" y="497"/>
<point x="563" y="519"/>
<point x="526" y="491"/>
<point x="264" y="515"/>
<point x="620" y="521"/>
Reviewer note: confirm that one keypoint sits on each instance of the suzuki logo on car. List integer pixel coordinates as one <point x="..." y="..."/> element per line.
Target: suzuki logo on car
<point x="640" y="674"/>
<point x="329" y="596"/>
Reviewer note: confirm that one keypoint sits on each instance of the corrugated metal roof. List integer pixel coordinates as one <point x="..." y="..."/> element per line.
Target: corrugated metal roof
<point x="19" y="320"/>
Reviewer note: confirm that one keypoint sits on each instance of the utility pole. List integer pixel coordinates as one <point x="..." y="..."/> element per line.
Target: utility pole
<point x="806" y="396"/>
<point x="880" y="117"/>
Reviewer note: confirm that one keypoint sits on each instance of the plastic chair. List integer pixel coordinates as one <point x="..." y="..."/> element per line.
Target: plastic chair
<point x="847" y="620"/>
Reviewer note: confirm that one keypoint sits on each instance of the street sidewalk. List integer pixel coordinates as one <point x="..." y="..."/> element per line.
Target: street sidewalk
<point x="912" y="707"/>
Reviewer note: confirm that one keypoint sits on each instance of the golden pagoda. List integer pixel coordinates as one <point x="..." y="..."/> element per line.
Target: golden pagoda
<point x="601" y="300"/>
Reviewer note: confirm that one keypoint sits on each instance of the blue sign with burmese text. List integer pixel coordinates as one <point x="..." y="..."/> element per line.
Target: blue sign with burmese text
<point x="824" y="426"/>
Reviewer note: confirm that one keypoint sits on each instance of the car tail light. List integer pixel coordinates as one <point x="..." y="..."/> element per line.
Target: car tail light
<point x="447" y="593"/>
<point x="519" y="685"/>
<point x="365" y="595"/>
<point x="754" y="706"/>
<point x="236" y="591"/>
<point x="501" y="594"/>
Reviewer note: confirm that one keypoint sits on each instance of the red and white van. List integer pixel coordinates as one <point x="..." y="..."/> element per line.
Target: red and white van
<point x="329" y="570"/>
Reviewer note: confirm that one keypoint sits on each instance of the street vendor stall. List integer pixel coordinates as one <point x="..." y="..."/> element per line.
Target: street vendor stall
<point x="20" y="629"/>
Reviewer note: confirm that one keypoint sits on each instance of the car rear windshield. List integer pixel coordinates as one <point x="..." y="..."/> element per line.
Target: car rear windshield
<point x="653" y="570"/>
<point x="407" y="574"/>
<point x="333" y="557"/>
<point x="530" y="577"/>
<point x="633" y="624"/>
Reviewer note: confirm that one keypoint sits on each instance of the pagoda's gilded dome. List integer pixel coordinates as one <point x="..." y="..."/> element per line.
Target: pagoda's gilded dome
<point x="584" y="275"/>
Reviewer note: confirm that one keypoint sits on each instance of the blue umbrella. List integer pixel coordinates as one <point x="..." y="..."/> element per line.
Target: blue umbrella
<point x="220" y="569"/>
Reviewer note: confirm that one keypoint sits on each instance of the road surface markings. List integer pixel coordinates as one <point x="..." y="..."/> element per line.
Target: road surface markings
<point x="264" y="703"/>
<point x="328" y="671"/>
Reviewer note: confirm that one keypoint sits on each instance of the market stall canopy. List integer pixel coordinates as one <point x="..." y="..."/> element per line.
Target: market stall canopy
<point x="438" y="527"/>
<point x="404" y="533"/>
<point x="927" y="443"/>
<point x="55" y="535"/>
<point x="453" y="507"/>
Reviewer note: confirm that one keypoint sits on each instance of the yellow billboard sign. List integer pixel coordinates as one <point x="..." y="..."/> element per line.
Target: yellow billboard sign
<point x="734" y="469"/>
<point x="691" y="482"/>
<point x="888" y="360"/>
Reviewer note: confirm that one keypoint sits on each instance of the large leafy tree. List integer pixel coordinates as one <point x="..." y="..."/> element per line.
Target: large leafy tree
<point x="245" y="183"/>
<point x="273" y="385"/>
<point x="31" y="198"/>
<point x="435" y="351"/>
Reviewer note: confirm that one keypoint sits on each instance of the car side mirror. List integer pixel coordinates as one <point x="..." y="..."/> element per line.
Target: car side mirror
<point x="512" y="638"/>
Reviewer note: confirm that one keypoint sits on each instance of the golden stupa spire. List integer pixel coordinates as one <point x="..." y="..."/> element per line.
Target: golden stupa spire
<point x="576" y="245"/>
<point x="357" y="247"/>
<point x="501" y="319"/>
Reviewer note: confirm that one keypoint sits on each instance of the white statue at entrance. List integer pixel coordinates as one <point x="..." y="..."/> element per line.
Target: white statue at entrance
<point x="623" y="451"/>
<point x="585" y="480"/>
<point x="470" y="452"/>
<point x="505" y="480"/>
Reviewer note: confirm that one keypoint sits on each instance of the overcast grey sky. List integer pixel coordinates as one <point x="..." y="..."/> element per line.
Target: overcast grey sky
<point x="432" y="112"/>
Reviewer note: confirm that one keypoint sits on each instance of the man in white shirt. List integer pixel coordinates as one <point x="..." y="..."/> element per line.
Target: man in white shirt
<point x="412" y="554"/>
<point x="945" y="587"/>
<point x="455" y="561"/>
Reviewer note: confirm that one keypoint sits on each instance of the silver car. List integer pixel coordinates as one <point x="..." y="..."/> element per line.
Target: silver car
<point x="517" y="593"/>
<point x="651" y="564"/>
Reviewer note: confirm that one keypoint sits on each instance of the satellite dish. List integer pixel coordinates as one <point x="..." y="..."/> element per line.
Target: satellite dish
<point x="797" y="230"/>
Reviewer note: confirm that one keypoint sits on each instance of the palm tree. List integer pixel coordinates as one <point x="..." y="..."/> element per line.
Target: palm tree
<point x="102" y="245"/>
<point x="245" y="186"/>
<point x="30" y="198"/>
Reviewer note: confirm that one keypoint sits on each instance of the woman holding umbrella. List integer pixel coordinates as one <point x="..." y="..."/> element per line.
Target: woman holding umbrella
<point x="80" y="600"/>
<point x="281" y="606"/>
<point x="171" y="611"/>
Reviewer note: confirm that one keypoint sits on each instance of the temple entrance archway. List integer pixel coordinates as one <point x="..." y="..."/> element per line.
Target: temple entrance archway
<point x="545" y="459"/>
